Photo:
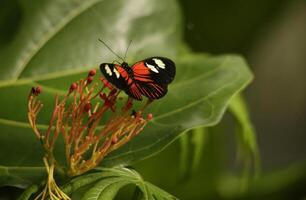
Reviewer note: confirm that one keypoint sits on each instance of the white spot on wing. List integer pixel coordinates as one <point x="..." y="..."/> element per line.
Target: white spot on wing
<point x="159" y="63"/>
<point x="151" y="67"/>
<point x="116" y="72"/>
<point x="108" y="71"/>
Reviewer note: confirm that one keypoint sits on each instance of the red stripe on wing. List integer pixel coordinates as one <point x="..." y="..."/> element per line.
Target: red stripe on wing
<point x="152" y="90"/>
<point x="141" y="72"/>
<point x="124" y="74"/>
<point x="134" y="92"/>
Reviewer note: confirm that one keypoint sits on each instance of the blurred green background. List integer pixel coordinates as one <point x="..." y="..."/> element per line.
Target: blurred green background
<point x="271" y="35"/>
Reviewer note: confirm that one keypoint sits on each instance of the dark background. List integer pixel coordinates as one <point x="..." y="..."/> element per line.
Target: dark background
<point x="271" y="35"/>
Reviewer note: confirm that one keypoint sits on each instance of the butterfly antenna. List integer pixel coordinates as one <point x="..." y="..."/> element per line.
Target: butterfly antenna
<point x="127" y="49"/>
<point x="110" y="49"/>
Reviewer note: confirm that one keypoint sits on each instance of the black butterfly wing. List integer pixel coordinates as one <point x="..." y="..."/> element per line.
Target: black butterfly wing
<point x="153" y="75"/>
<point x="134" y="92"/>
<point x="116" y="75"/>
<point x="162" y="69"/>
<point x="119" y="77"/>
<point x="152" y="90"/>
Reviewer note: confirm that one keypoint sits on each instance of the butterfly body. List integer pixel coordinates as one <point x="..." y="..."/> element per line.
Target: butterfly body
<point x="149" y="77"/>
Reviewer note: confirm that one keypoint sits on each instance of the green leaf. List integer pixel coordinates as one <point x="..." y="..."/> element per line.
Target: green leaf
<point x="185" y="149"/>
<point x="246" y="132"/>
<point x="158" y="193"/>
<point x="111" y="191"/>
<point x="28" y="192"/>
<point x="111" y="180"/>
<point x="20" y="176"/>
<point x="207" y="85"/>
<point x="57" y="36"/>
<point x="247" y="138"/>
<point x="97" y="191"/>
<point x="198" y="97"/>
<point x="56" y="43"/>
<point x="84" y="180"/>
<point x="106" y="183"/>
<point x="198" y="141"/>
<point x="191" y="150"/>
<point x="53" y="44"/>
<point x="239" y="109"/>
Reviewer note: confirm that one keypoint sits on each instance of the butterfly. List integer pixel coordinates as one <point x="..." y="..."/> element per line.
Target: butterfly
<point x="149" y="77"/>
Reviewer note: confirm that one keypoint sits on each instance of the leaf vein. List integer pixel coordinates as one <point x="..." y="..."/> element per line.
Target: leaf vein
<point x="48" y="36"/>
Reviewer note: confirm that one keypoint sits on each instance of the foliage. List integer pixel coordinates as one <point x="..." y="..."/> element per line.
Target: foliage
<point x="56" y="43"/>
<point x="105" y="184"/>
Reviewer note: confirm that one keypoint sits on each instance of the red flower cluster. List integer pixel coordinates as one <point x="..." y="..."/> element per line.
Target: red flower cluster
<point x="78" y="117"/>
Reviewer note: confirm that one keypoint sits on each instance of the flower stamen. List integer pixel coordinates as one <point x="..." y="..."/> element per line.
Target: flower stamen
<point x="78" y="121"/>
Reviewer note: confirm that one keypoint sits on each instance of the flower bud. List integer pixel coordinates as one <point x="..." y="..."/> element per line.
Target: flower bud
<point x="33" y="90"/>
<point x="73" y="87"/>
<point x="114" y="140"/>
<point x="87" y="107"/>
<point x="92" y="72"/>
<point x="89" y="79"/>
<point x="38" y="90"/>
<point x="103" y="96"/>
<point x="149" y="116"/>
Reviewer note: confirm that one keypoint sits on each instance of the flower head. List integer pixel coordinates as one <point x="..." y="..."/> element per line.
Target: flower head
<point x="78" y="121"/>
<point x="78" y="116"/>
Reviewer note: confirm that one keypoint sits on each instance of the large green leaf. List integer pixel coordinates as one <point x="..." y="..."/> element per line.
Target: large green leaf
<point x="57" y="43"/>
<point x="198" y="97"/>
<point x="57" y="36"/>
<point x="56" y="39"/>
